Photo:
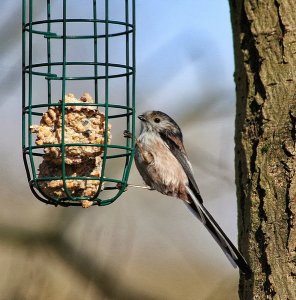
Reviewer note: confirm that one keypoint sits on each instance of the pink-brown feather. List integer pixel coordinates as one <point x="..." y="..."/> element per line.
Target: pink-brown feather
<point x="163" y="173"/>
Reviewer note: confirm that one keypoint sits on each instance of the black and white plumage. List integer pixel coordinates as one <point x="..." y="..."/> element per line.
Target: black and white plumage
<point x="162" y="162"/>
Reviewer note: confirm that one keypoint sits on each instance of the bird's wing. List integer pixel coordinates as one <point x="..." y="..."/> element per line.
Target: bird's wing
<point x="176" y="146"/>
<point x="196" y="206"/>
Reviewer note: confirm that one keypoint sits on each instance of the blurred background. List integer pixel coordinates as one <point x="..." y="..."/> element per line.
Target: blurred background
<point x="145" y="245"/>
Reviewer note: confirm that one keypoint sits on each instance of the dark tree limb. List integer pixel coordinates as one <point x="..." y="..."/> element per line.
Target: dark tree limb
<point x="264" y="34"/>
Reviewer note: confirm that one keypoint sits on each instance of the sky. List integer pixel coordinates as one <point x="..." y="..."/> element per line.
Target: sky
<point x="171" y="34"/>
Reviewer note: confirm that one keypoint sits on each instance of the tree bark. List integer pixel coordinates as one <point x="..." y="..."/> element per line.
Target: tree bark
<point x="264" y="34"/>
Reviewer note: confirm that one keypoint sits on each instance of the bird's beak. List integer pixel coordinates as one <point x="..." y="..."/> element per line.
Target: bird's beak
<point x="142" y="118"/>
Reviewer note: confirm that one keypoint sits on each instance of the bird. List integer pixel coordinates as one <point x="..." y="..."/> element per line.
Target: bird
<point x="162" y="162"/>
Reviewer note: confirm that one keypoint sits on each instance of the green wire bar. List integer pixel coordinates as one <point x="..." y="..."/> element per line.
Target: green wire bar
<point x="71" y="48"/>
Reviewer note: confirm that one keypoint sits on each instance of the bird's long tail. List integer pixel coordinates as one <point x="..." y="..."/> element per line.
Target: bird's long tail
<point x="232" y="253"/>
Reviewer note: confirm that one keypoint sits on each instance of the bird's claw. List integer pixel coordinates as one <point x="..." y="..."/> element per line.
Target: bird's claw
<point x="119" y="185"/>
<point x="127" y="134"/>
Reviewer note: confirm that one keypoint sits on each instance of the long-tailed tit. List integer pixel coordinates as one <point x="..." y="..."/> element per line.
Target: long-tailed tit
<point x="162" y="161"/>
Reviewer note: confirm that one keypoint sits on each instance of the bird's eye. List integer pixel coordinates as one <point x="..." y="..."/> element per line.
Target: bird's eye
<point x="156" y="120"/>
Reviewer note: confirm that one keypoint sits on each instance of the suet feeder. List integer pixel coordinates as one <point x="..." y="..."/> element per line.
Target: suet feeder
<point x="73" y="141"/>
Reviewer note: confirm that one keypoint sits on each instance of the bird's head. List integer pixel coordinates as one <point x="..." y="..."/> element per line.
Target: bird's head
<point x="160" y="123"/>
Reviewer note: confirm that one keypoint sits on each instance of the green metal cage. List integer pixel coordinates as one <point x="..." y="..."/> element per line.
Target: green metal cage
<point x="70" y="46"/>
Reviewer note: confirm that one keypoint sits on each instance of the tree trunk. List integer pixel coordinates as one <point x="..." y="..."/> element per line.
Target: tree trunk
<point x="264" y="35"/>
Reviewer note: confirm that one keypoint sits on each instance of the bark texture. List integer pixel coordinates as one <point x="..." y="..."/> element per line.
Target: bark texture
<point x="264" y="34"/>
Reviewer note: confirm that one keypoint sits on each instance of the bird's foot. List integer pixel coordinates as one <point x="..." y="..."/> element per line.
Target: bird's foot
<point x="127" y="134"/>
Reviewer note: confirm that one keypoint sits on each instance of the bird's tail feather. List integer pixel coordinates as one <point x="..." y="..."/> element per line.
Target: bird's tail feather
<point x="231" y="252"/>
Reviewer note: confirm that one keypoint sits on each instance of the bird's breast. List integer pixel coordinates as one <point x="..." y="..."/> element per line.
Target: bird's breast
<point x="164" y="172"/>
